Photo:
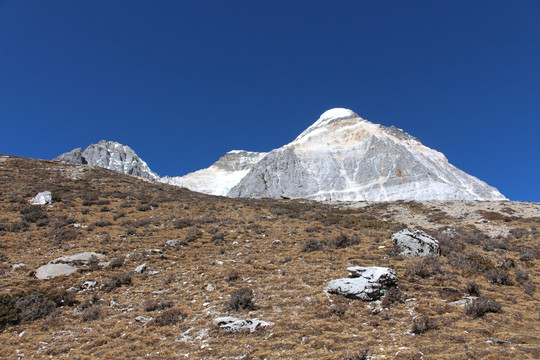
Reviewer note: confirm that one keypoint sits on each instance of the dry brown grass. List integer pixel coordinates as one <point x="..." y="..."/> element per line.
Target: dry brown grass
<point x="226" y="245"/>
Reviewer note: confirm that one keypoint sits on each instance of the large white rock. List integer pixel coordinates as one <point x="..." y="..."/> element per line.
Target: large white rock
<point x="50" y="271"/>
<point x="42" y="198"/>
<point x="232" y="324"/>
<point x="366" y="283"/>
<point x="415" y="243"/>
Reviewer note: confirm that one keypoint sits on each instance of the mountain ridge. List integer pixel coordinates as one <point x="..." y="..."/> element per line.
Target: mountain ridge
<point x="340" y="157"/>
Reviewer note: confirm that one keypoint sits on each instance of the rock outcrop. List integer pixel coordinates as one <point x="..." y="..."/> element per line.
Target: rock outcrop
<point x="415" y="243"/>
<point x="365" y="283"/>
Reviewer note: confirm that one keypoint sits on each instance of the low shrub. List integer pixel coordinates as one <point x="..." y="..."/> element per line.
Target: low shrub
<point x="153" y="305"/>
<point x="421" y="324"/>
<point x="8" y="312"/>
<point x="472" y="288"/>
<point x="91" y="313"/>
<point x="343" y="241"/>
<point x="34" y="306"/>
<point x="480" y="306"/>
<point x="241" y="299"/>
<point x="33" y="213"/>
<point x="182" y="223"/>
<point x="169" y="317"/>
<point x="424" y="267"/>
<point x="498" y="277"/>
<point x="310" y="245"/>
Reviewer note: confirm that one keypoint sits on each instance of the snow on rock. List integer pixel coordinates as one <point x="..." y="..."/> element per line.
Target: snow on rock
<point x="415" y="243"/>
<point x="365" y="283"/>
<point x="232" y="324"/>
<point x="42" y="198"/>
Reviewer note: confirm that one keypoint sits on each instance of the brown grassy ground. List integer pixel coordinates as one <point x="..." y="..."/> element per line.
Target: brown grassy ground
<point x="229" y="244"/>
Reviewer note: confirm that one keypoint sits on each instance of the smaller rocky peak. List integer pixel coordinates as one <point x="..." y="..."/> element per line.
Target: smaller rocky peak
<point x="74" y="156"/>
<point x="399" y="133"/>
<point x="236" y="160"/>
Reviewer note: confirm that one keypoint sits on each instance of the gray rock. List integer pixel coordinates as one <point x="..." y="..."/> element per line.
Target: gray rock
<point x="366" y="283"/>
<point x="232" y="324"/>
<point x="74" y="156"/>
<point x="66" y="265"/>
<point x="42" y="198"/>
<point x="143" y="319"/>
<point x="415" y="243"/>
<point x="50" y="271"/>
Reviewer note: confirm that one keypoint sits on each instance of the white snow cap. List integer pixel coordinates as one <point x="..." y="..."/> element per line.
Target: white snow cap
<point x="337" y="113"/>
<point x="328" y="117"/>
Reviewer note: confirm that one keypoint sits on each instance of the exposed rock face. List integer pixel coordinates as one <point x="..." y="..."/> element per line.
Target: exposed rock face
<point x="344" y="157"/>
<point x="365" y="283"/>
<point x="74" y="156"/>
<point x="111" y="155"/>
<point x="232" y="324"/>
<point x="42" y="198"/>
<point x="415" y="243"/>
<point x="219" y="178"/>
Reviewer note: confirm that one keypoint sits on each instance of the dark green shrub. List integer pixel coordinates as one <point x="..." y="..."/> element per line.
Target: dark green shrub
<point x="310" y="245"/>
<point x="480" y="306"/>
<point x="8" y="313"/>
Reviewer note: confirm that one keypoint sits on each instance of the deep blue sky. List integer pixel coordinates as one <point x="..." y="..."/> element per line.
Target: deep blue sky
<point x="183" y="82"/>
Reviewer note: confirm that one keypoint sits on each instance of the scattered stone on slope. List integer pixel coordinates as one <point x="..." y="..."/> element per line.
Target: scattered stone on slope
<point x="415" y="243"/>
<point x="42" y="198"/>
<point x="232" y="324"/>
<point x="140" y="269"/>
<point x="83" y="257"/>
<point x="365" y="283"/>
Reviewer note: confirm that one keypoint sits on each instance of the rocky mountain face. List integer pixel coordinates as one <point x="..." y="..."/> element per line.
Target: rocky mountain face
<point x="110" y="155"/>
<point x="219" y="178"/>
<point x="344" y="157"/>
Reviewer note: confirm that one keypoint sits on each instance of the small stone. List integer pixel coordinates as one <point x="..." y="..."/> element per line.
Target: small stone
<point x="232" y="324"/>
<point x="139" y="269"/>
<point x="50" y="271"/>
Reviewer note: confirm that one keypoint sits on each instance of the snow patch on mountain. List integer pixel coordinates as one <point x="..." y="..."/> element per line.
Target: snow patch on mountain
<point x="222" y="176"/>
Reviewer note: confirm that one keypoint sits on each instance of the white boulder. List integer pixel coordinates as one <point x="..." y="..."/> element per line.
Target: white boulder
<point x="365" y="283"/>
<point x="415" y="243"/>
<point x="232" y="324"/>
<point x="42" y="198"/>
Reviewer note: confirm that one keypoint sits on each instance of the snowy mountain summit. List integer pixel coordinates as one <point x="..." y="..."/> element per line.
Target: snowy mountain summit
<point x="110" y="155"/>
<point x="344" y="157"/>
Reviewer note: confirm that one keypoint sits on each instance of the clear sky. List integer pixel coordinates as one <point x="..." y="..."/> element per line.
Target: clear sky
<point x="183" y="82"/>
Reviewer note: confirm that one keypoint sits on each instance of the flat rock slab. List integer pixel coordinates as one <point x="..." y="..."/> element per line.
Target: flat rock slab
<point x="232" y="324"/>
<point x="50" y="271"/>
<point x="415" y="243"/>
<point x="365" y="283"/>
<point x="84" y="257"/>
